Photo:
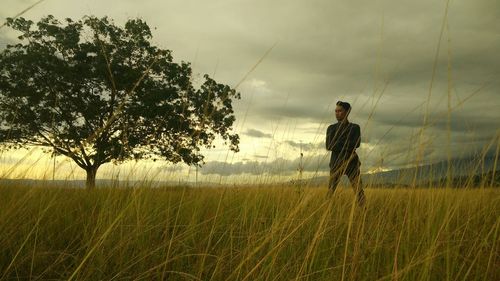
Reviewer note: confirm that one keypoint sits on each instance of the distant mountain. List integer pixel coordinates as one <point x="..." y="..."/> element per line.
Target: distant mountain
<point x="471" y="171"/>
<point x="478" y="180"/>
<point x="432" y="173"/>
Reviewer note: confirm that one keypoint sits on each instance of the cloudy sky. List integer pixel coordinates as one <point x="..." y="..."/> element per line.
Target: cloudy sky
<point x="394" y="61"/>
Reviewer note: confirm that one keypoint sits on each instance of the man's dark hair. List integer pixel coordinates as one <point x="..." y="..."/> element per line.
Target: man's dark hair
<point x="345" y="105"/>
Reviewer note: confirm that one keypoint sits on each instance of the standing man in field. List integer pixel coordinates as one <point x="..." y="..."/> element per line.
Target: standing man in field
<point x="342" y="139"/>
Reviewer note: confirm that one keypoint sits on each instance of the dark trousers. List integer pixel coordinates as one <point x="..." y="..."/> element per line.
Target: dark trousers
<point x="340" y="166"/>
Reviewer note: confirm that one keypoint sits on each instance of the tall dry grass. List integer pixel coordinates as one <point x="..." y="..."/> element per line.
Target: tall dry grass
<point x="248" y="234"/>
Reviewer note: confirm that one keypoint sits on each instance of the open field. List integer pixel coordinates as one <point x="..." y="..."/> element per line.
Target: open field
<point x="248" y="234"/>
<point x="422" y="78"/>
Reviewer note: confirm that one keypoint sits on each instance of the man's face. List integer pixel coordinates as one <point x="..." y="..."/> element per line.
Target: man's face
<point x="340" y="113"/>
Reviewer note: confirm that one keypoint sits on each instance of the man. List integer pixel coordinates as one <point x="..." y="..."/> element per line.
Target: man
<point x="342" y="139"/>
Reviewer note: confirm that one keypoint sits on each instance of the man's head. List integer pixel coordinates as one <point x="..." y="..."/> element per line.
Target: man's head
<point x="342" y="110"/>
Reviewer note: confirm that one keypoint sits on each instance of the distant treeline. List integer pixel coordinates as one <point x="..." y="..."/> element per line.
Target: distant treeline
<point x="488" y="179"/>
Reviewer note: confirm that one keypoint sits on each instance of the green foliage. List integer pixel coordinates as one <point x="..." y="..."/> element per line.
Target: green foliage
<point x="97" y="93"/>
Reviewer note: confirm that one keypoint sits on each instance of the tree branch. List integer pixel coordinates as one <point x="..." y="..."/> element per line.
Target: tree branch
<point x="68" y="153"/>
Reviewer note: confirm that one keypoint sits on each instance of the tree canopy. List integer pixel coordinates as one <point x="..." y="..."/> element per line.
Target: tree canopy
<point x="97" y="92"/>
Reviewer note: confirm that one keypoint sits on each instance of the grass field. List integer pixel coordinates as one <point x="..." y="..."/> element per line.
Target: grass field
<point x="248" y="234"/>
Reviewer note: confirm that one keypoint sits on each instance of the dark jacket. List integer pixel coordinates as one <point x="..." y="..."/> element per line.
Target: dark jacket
<point x="342" y="140"/>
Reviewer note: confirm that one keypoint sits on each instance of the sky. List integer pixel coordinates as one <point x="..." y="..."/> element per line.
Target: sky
<point x="397" y="62"/>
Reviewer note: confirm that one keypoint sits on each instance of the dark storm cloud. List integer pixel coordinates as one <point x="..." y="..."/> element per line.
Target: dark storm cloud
<point x="481" y="121"/>
<point x="305" y="111"/>
<point x="320" y="75"/>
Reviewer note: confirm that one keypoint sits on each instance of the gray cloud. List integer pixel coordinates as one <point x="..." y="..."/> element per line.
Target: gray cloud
<point x="257" y="134"/>
<point x="305" y="146"/>
<point x="279" y="166"/>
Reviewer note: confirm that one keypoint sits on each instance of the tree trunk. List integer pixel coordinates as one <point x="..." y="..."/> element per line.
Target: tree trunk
<point x="91" y="173"/>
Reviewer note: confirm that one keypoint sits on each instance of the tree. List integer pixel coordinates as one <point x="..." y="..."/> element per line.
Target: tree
<point x="99" y="93"/>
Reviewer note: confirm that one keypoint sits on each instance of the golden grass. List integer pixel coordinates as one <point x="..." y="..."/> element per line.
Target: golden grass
<point x="248" y="234"/>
